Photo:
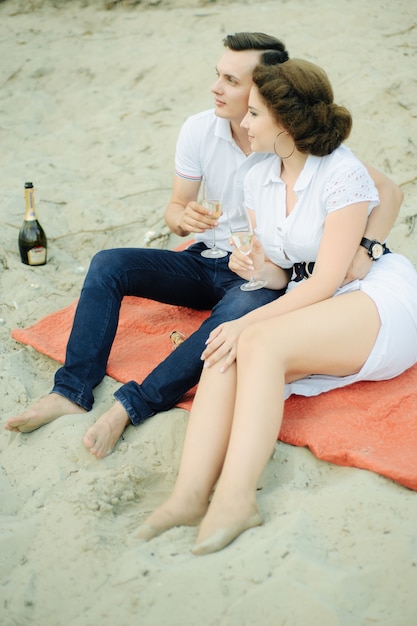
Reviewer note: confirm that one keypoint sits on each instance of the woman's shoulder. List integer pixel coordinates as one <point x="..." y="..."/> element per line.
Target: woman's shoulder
<point x="342" y="155"/>
<point x="346" y="180"/>
<point x="342" y="164"/>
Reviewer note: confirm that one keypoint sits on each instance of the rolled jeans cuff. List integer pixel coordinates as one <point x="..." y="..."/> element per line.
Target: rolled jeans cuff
<point x="133" y="415"/>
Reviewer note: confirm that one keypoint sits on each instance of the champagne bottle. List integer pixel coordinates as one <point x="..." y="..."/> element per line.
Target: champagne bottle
<point x="32" y="238"/>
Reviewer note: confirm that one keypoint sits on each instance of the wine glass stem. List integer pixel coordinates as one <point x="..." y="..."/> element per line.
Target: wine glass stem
<point x="214" y="238"/>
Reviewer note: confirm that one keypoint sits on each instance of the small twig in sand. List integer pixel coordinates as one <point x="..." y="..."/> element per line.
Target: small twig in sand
<point x="12" y="75"/>
<point x="114" y="3"/>
<point x="408" y="182"/>
<point x="402" y="32"/>
<point x="140" y="193"/>
<point x="410" y="220"/>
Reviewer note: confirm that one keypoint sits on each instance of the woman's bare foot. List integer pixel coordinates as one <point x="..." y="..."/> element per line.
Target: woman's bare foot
<point x="170" y="514"/>
<point x="221" y="527"/>
<point x="103" y="435"/>
<point x="42" y="412"/>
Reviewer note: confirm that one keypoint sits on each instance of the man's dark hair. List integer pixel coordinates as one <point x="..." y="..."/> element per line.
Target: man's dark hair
<point x="274" y="51"/>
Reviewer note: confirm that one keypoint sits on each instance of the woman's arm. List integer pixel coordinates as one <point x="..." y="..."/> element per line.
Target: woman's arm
<point x="257" y="265"/>
<point x="343" y="230"/>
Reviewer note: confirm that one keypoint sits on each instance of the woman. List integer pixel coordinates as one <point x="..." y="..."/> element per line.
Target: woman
<point x="311" y="204"/>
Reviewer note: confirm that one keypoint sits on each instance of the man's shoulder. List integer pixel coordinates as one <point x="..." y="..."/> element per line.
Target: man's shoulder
<point x="207" y="117"/>
<point x="262" y="162"/>
<point x="204" y="128"/>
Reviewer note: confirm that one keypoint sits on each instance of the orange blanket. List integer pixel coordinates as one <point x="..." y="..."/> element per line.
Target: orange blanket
<point x="368" y="425"/>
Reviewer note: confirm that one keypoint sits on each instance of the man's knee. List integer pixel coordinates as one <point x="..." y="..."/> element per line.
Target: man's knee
<point x="101" y="259"/>
<point x="103" y="271"/>
<point x="105" y="262"/>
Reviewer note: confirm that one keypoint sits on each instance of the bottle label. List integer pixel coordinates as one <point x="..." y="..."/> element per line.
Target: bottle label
<point x="30" y="213"/>
<point x="37" y="256"/>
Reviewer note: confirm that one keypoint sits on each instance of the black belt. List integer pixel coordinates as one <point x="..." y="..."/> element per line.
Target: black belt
<point x="300" y="271"/>
<point x="303" y="270"/>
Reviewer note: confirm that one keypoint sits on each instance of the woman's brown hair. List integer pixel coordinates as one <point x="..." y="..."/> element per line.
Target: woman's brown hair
<point x="300" y="97"/>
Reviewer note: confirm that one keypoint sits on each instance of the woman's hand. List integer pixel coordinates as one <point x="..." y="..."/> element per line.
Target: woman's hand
<point x="222" y="342"/>
<point x="245" y="265"/>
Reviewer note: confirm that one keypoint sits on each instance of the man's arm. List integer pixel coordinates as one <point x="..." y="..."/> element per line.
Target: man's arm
<point x="380" y="221"/>
<point x="383" y="216"/>
<point x="184" y="215"/>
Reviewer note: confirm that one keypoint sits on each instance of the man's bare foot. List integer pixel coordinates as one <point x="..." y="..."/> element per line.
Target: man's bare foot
<point x="103" y="435"/>
<point x="42" y="412"/>
<point x="172" y="513"/>
<point x="217" y="531"/>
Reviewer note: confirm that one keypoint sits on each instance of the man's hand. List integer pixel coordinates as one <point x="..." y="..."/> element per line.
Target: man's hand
<point x="360" y="266"/>
<point x="196" y="218"/>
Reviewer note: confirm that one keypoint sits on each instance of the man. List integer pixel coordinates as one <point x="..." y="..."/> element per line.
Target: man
<point x="212" y="145"/>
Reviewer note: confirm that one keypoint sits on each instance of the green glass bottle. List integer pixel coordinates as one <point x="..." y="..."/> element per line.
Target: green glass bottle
<point x="32" y="238"/>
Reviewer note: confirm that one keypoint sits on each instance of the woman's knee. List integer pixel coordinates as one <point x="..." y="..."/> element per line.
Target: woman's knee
<point x="253" y="338"/>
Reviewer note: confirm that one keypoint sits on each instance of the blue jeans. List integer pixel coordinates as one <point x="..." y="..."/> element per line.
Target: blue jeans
<point x="181" y="278"/>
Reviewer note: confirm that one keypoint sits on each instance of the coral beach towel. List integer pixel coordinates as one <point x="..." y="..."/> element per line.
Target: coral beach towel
<point x="369" y="425"/>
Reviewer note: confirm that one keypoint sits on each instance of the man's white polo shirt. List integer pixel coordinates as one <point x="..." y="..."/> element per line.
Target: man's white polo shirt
<point x="206" y="148"/>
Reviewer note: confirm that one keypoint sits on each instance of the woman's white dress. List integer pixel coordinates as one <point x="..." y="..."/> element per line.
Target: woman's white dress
<point x="327" y="184"/>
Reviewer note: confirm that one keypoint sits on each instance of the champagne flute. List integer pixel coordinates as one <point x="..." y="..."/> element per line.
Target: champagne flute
<point x="216" y="210"/>
<point x="241" y="229"/>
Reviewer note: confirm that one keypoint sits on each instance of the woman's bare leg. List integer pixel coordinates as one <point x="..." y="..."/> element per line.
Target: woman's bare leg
<point x="334" y="337"/>
<point x="42" y="412"/>
<point x="203" y="454"/>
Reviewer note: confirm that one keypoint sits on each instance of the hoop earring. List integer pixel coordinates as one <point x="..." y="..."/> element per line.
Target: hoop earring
<point x="275" y="150"/>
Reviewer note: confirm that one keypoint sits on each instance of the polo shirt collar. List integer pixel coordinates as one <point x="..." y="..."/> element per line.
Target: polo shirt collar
<point x="223" y="129"/>
<point x="308" y="172"/>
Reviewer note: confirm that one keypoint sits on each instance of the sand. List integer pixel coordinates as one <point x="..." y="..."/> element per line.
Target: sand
<point x="91" y="104"/>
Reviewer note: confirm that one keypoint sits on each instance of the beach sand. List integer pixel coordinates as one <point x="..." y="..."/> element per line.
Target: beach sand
<point x="91" y="104"/>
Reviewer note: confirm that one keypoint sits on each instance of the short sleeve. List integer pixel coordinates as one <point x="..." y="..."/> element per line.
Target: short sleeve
<point x="349" y="184"/>
<point x="187" y="153"/>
